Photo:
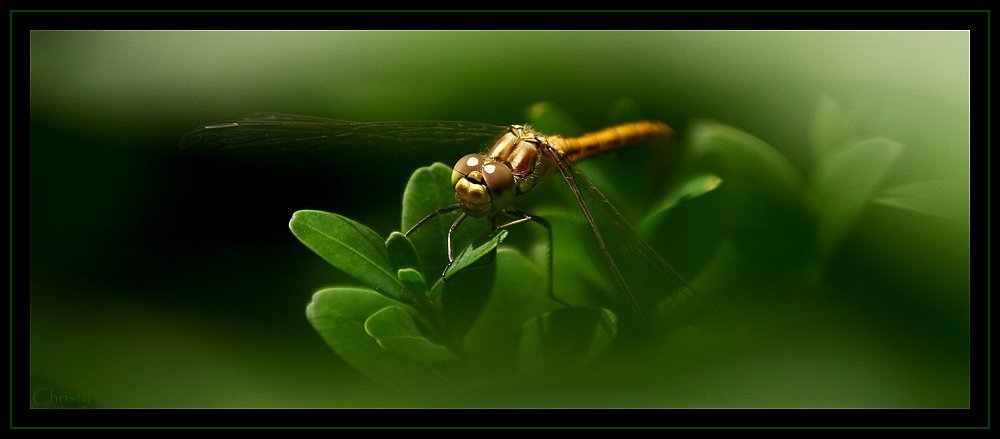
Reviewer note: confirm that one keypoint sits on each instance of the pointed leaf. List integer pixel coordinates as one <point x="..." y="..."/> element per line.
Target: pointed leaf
<point x="846" y="183"/>
<point x="349" y="246"/>
<point x="694" y="187"/>
<point x="941" y="198"/>
<point x="832" y="129"/>
<point x="744" y="160"/>
<point x="689" y="224"/>
<point x="471" y="255"/>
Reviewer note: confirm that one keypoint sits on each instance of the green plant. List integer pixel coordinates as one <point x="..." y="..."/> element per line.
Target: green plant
<point x="493" y="314"/>
<point x="411" y="324"/>
<point x="493" y="320"/>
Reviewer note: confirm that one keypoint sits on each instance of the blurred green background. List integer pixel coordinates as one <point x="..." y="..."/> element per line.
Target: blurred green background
<point x="160" y="279"/>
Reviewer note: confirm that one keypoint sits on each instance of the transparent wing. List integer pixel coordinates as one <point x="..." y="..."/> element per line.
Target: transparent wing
<point x="649" y="290"/>
<point x="291" y="138"/>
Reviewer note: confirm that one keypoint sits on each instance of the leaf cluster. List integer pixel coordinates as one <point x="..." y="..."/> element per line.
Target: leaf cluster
<point x="488" y="318"/>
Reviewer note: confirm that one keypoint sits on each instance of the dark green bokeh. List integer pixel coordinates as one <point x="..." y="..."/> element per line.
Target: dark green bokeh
<point x="165" y="280"/>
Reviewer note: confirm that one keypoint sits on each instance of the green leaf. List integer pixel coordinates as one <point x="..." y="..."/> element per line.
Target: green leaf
<point x="688" y="225"/>
<point x="428" y="190"/>
<point x="437" y="290"/>
<point x="413" y="281"/>
<point x="762" y="199"/>
<point x="395" y="330"/>
<point x="743" y="160"/>
<point x="410" y="275"/>
<point x="567" y="336"/>
<point x="846" y="183"/>
<point x="349" y="246"/>
<point x="339" y="316"/>
<point x="470" y="255"/>
<point x="462" y="297"/>
<point x="832" y="129"/>
<point x="692" y="188"/>
<point x="402" y="254"/>
<point x="468" y="288"/>
<point x="520" y="295"/>
<point x="940" y="198"/>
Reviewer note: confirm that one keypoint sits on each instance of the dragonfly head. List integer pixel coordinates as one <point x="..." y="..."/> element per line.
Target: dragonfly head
<point x="482" y="186"/>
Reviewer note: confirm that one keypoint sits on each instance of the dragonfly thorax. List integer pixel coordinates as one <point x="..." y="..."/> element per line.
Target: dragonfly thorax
<point x="482" y="186"/>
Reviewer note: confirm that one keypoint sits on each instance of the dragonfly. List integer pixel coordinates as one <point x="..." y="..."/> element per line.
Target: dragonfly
<point x="487" y="184"/>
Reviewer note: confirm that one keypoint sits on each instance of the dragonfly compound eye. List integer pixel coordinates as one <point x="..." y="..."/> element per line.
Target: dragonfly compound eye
<point x="501" y="185"/>
<point x="465" y="166"/>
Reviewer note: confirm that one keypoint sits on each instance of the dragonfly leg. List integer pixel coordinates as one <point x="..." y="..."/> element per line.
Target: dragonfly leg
<point x="524" y="217"/>
<point x="433" y="214"/>
<point x="451" y="258"/>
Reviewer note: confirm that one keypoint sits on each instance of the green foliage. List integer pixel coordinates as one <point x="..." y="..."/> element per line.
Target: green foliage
<point x="411" y="327"/>
<point x="486" y="317"/>
<point x="845" y="182"/>
<point x="802" y="217"/>
<point x="938" y="198"/>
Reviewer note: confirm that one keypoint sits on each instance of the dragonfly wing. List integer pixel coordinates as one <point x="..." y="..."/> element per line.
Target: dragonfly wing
<point x="640" y="278"/>
<point x="304" y="139"/>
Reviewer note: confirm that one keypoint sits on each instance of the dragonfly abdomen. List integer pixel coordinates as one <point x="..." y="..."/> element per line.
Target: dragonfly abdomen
<point x="587" y="145"/>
